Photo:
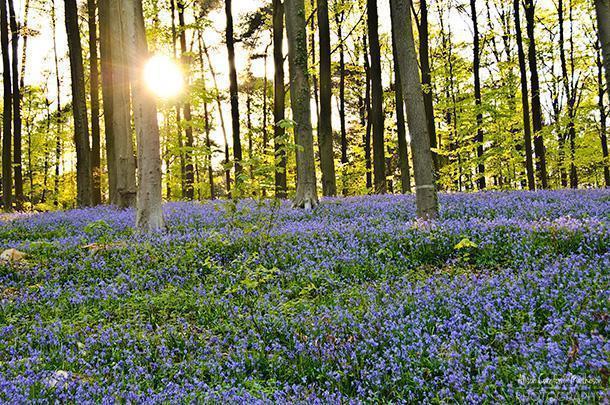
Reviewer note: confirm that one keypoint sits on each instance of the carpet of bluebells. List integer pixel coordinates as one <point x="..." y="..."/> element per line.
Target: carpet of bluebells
<point x="505" y="298"/>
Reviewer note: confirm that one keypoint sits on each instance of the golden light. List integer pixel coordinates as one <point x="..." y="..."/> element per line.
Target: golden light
<point x="163" y="76"/>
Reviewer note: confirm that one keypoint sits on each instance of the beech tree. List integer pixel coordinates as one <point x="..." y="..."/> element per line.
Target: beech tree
<point x="535" y="88"/>
<point x="84" y="183"/>
<point x="149" y="216"/>
<point x="279" y="98"/>
<point x="527" y="128"/>
<point x="423" y="165"/>
<point x="95" y="102"/>
<point x="325" y="128"/>
<point x="377" y="114"/>
<point x="117" y="115"/>
<point x="237" y="153"/>
<point x="300" y="97"/>
<point x="7" y="170"/>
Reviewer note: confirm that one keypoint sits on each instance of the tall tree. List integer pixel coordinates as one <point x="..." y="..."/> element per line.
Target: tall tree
<point x="95" y="103"/>
<point x="377" y="114"/>
<point x="325" y="129"/>
<point x="84" y="183"/>
<point x="426" y="197"/>
<point x="527" y="128"/>
<point x="233" y="90"/>
<point x="339" y="19"/>
<point x="7" y="172"/>
<point x="106" y="67"/>
<point x="570" y="92"/>
<point x="149" y="216"/>
<point x="426" y="75"/>
<point x="602" y="9"/>
<point x="59" y="129"/>
<point x="16" y="107"/>
<point x="300" y="97"/>
<point x="603" y="115"/>
<point x="279" y="98"/>
<point x="403" y="153"/>
<point x="476" y="69"/>
<point x="115" y="70"/>
<point x="189" y="179"/>
<point x="541" y="171"/>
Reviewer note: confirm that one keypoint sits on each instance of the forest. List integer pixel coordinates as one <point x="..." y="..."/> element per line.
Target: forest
<point x="513" y="95"/>
<point x="292" y="201"/>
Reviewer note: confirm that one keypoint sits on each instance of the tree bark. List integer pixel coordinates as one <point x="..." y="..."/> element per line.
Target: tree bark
<point x="95" y="103"/>
<point x="476" y="68"/>
<point x="279" y="98"/>
<point x="403" y="153"/>
<point x="84" y="183"/>
<point x="340" y="18"/>
<point x="7" y="170"/>
<point x="117" y="63"/>
<point x="149" y="216"/>
<point x="325" y="129"/>
<point x="234" y="94"/>
<point x="535" y="88"/>
<point x="377" y="114"/>
<point x="189" y="179"/>
<point x="17" y="168"/>
<point x="306" y="194"/>
<point x="426" y="75"/>
<point x="423" y="165"/>
<point x="107" y="99"/>
<point x="58" y="141"/>
<point x="603" y="114"/>
<point x="368" y="164"/>
<point x="527" y="129"/>
<point x="602" y="8"/>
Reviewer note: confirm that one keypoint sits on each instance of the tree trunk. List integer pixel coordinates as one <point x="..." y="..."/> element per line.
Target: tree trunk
<point x="476" y="68"/>
<point x="149" y="215"/>
<point x="325" y="129"/>
<point x="18" y="173"/>
<point x="602" y="8"/>
<point x="535" y="87"/>
<point x="603" y="116"/>
<point x="570" y="91"/>
<point x="368" y="123"/>
<point x="182" y="157"/>
<point x="95" y="104"/>
<point x="377" y="115"/>
<point x="426" y="77"/>
<point x="189" y="179"/>
<point x="312" y="40"/>
<point x="426" y="197"/>
<point x="279" y="98"/>
<point x="403" y="153"/>
<point x="84" y="183"/>
<point x="527" y="129"/>
<point x="58" y="142"/>
<point x="340" y="18"/>
<point x="233" y="90"/>
<point x="122" y="141"/>
<point x="306" y="194"/>
<point x="107" y="99"/>
<point x="7" y="172"/>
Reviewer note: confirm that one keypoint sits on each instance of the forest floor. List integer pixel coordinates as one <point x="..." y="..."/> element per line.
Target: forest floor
<point x="506" y="297"/>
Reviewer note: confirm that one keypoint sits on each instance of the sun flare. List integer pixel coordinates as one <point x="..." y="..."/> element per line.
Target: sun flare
<point x="163" y="76"/>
